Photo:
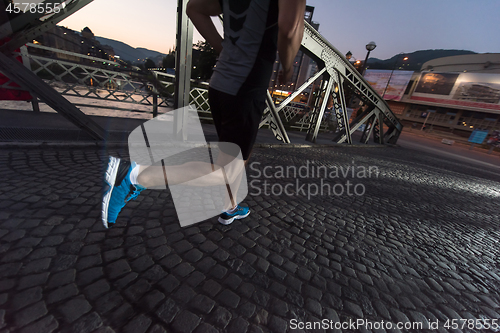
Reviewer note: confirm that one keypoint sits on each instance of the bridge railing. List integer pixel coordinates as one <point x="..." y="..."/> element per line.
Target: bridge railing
<point x="92" y="78"/>
<point x="86" y="79"/>
<point x="100" y="79"/>
<point x="337" y="76"/>
<point x="198" y="93"/>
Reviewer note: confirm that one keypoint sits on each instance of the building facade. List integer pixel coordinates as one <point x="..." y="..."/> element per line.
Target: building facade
<point x="69" y="40"/>
<point x="455" y="94"/>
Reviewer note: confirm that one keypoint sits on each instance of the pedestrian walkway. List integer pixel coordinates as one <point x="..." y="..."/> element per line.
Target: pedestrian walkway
<point x="385" y="235"/>
<point x="27" y="126"/>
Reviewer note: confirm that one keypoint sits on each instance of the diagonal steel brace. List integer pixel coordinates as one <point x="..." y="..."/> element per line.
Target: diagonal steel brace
<point x="16" y="71"/>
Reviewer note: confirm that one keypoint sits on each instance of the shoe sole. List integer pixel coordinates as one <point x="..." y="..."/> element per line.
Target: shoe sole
<point x="237" y="217"/>
<point x="110" y="179"/>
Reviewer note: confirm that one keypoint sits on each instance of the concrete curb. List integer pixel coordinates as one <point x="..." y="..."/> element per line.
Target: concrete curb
<point x="458" y="141"/>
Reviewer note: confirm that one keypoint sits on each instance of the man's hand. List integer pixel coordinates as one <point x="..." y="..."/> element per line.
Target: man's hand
<point x="199" y="11"/>
<point x="291" y="29"/>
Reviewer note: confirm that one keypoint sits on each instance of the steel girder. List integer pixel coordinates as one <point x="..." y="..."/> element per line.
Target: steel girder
<point x="183" y="63"/>
<point x="26" y="27"/>
<point x="27" y="79"/>
<point x="23" y="29"/>
<point x="338" y="74"/>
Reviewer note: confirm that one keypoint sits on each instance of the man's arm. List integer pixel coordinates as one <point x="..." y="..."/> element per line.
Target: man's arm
<point x="199" y="11"/>
<point x="291" y="29"/>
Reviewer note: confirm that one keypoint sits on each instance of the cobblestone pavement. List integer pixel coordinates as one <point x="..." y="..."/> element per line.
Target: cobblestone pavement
<point x="417" y="243"/>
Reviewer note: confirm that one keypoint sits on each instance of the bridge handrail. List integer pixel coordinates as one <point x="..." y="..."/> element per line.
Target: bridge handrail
<point x="338" y="62"/>
<point x="79" y="55"/>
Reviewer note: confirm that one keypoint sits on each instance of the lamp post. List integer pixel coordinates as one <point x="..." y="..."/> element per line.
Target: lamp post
<point x="348" y="55"/>
<point x="392" y="72"/>
<point x="369" y="47"/>
<point x="423" y="125"/>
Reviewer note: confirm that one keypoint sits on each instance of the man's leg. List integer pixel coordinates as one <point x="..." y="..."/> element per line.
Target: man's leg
<point x="126" y="180"/>
<point x="190" y="173"/>
<point x="237" y="120"/>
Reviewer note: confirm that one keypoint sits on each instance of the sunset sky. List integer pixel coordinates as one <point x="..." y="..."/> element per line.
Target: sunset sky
<point x="395" y="25"/>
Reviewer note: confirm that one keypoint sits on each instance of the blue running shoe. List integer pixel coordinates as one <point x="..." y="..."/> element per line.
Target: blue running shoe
<point x="227" y="218"/>
<point x="118" y="189"/>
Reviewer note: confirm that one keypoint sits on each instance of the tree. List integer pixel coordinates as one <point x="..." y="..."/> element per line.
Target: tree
<point x="204" y="59"/>
<point x="169" y="60"/>
<point x="149" y="64"/>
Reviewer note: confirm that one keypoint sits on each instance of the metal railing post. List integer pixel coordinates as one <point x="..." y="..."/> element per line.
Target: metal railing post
<point x="27" y="64"/>
<point x="155" y="104"/>
<point x="317" y="118"/>
<point x="183" y="55"/>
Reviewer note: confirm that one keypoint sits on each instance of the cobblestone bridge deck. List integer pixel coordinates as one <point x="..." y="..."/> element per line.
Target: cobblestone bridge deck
<point x="417" y="242"/>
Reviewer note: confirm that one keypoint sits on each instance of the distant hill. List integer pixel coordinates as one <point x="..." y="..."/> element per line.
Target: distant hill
<point x="415" y="59"/>
<point x="156" y="56"/>
<point x="151" y="53"/>
<point x="132" y="54"/>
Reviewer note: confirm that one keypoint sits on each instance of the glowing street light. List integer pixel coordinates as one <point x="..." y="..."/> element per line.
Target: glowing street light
<point x="348" y="55"/>
<point x="369" y="47"/>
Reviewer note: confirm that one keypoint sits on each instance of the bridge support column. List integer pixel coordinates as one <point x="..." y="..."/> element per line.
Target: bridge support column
<point x="317" y="118"/>
<point x="275" y="122"/>
<point x="183" y="63"/>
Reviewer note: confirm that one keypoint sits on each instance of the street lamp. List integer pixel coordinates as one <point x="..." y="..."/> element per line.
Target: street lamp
<point x="369" y="47"/>
<point x="392" y="72"/>
<point x="348" y="55"/>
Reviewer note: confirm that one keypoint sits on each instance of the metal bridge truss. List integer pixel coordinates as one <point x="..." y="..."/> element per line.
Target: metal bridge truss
<point x="50" y="78"/>
<point x="22" y="29"/>
<point x="337" y="76"/>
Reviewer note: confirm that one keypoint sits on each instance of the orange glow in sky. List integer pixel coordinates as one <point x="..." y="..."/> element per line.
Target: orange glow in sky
<point x="396" y="26"/>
